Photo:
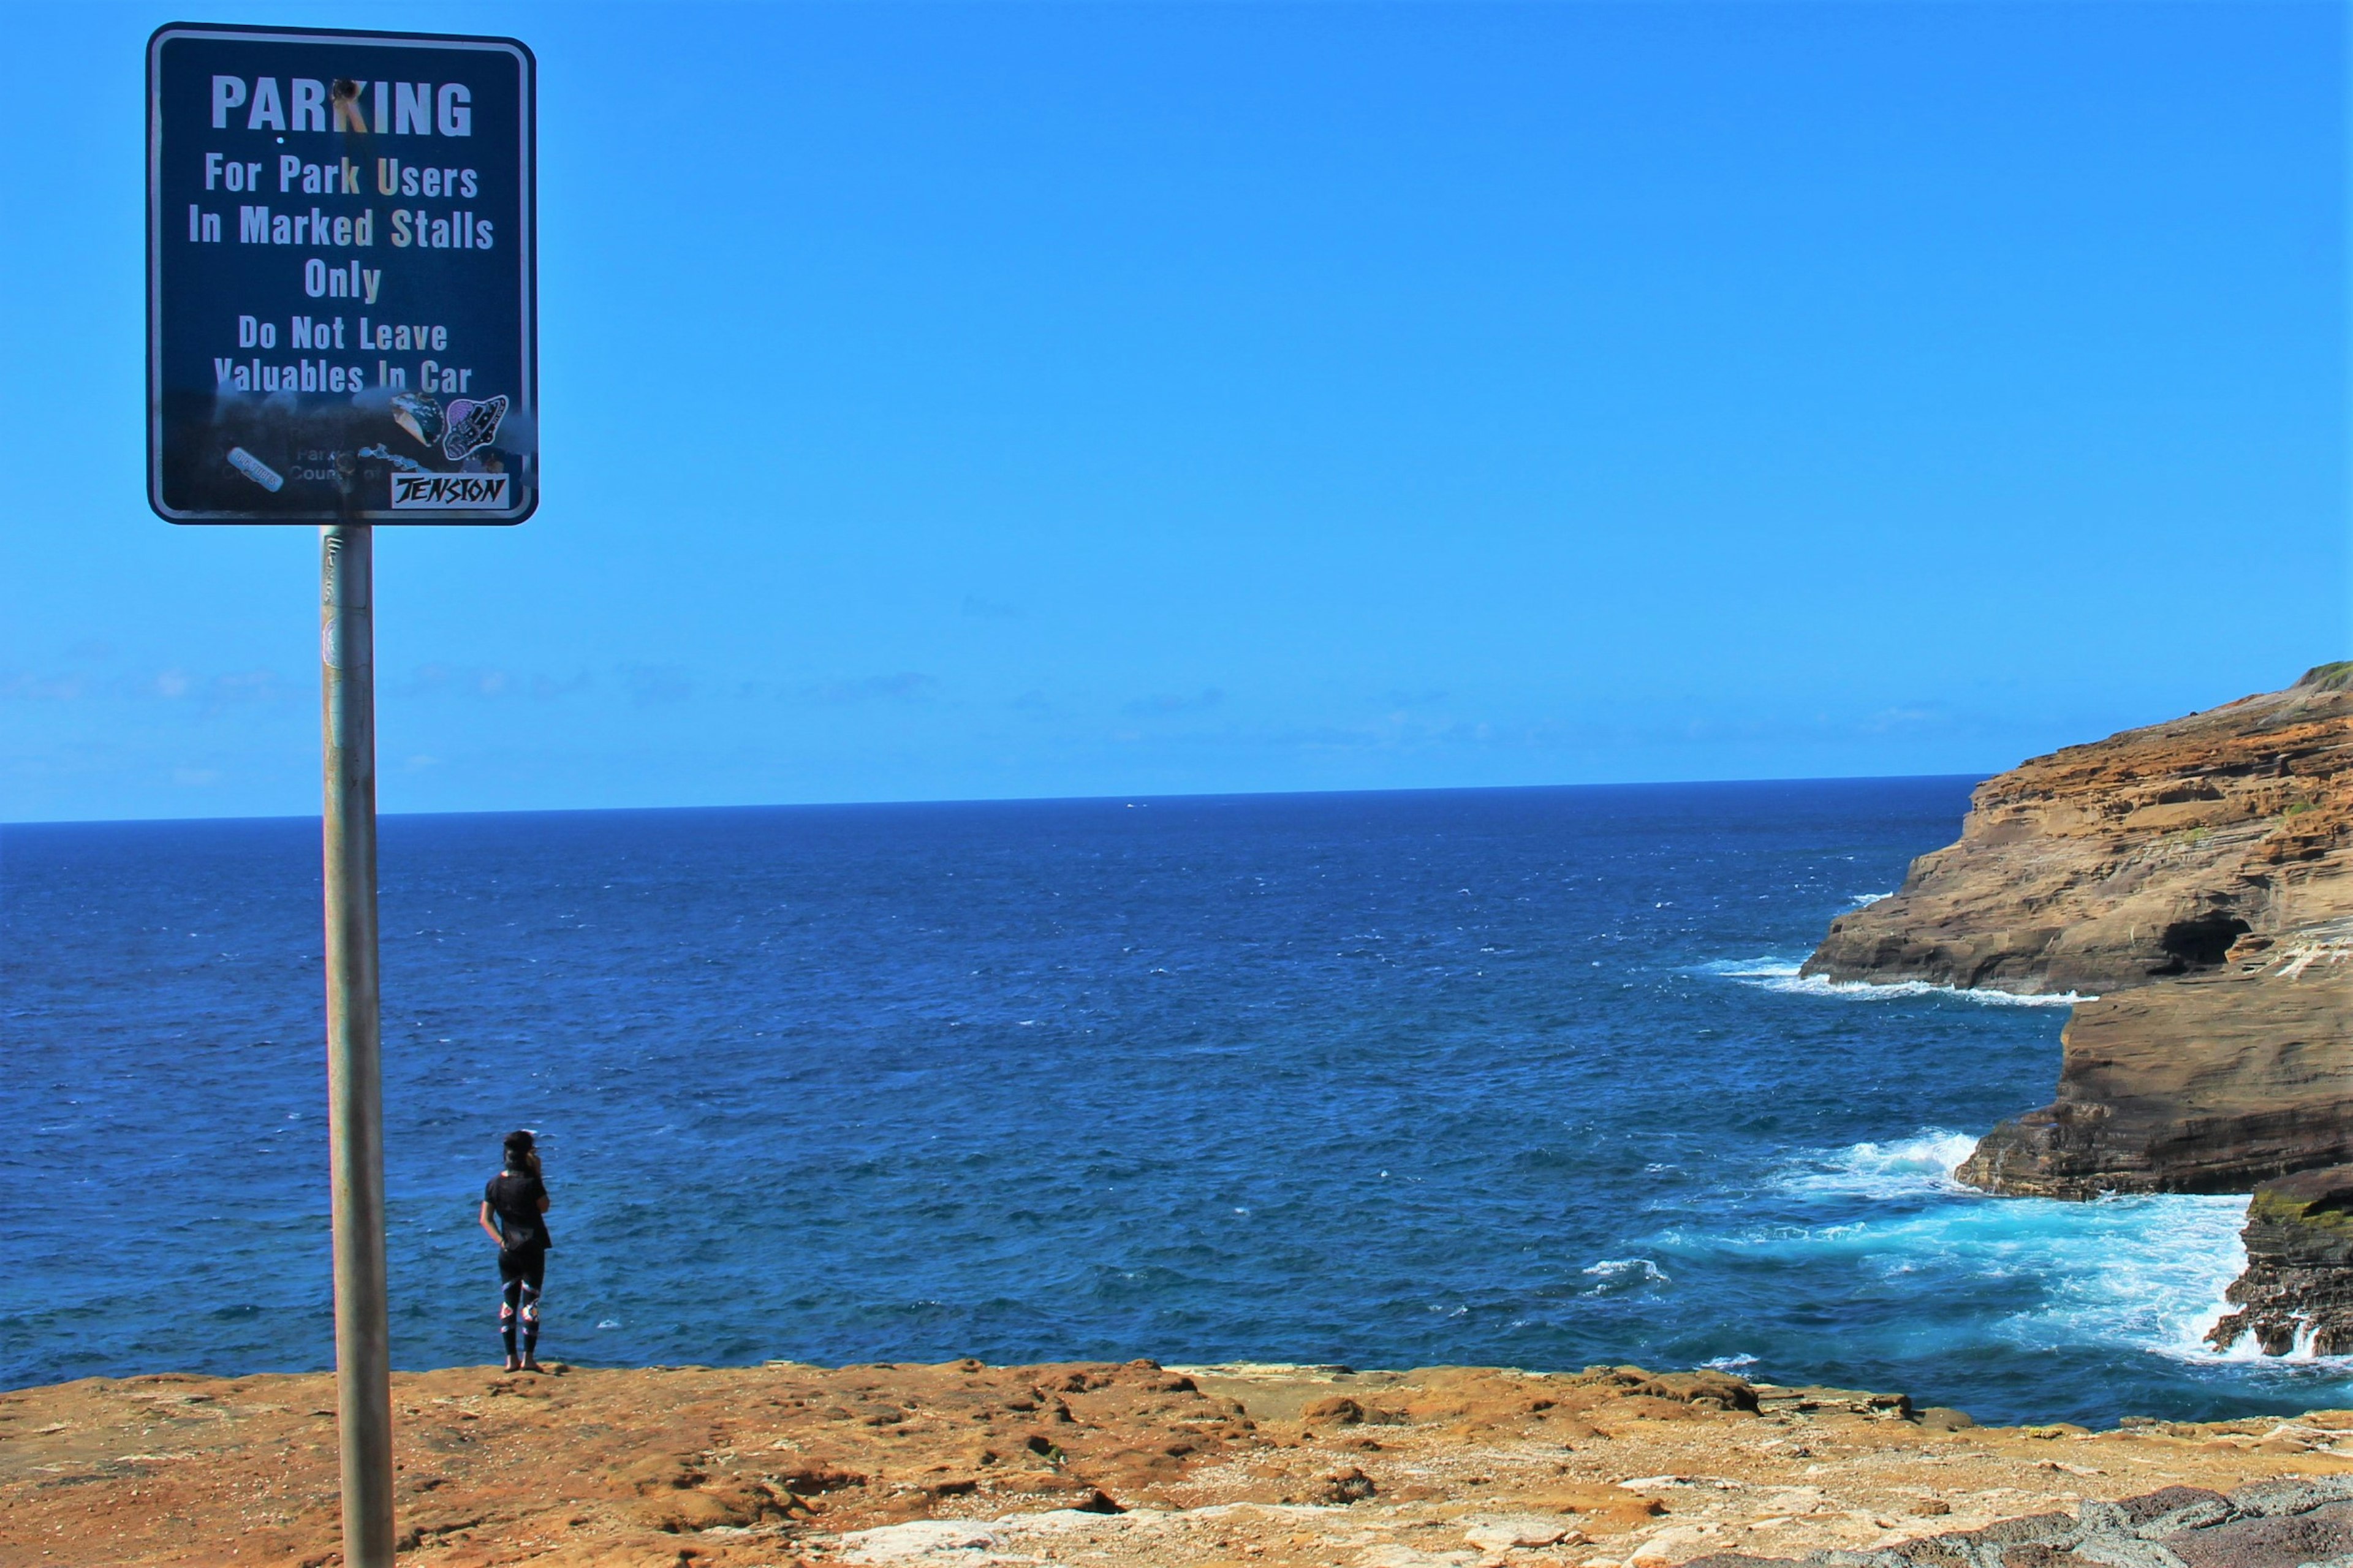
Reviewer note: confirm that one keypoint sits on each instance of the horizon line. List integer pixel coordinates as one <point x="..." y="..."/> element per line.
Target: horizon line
<point x="1133" y="799"/>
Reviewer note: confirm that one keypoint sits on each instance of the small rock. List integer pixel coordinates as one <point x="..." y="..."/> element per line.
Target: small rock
<point x="1714" y="1389"/>
<point x="1505" y="1534"/>
<point x="1669" y="1546"/>
<point x="810" y="1479"/>
<point x="1351" y="1485"/>
<point x="1392" y="1555"/>
<point x="1337" y="1411"/>
<point x="2170" y="1510"/>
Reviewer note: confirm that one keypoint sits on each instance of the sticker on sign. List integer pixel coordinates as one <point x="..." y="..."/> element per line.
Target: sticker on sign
<point x="448" y="492"/>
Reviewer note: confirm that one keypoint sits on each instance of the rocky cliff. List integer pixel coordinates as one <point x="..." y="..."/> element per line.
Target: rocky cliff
<point x="2210" y="1083"/>
<point x="2197" y="877"/>
<point x="2144" y="855"/>
<point x="2297" y="1291"/>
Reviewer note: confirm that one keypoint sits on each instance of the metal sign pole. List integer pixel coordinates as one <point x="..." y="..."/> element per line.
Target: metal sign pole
<point x="354" y="1054"/>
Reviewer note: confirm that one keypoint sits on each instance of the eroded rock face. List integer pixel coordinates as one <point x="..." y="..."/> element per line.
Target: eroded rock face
<point x="2197" y="877"/>
<point x="2206" y="1084"/>
<point x="2298" y="1285"/>
<point x="2143" y="856"/>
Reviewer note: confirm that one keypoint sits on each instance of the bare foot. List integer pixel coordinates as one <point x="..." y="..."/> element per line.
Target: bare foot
<point x="530" y="1363"/>
<point x="514" y="1366"/>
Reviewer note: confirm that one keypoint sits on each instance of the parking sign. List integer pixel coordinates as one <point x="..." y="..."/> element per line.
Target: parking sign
<point x="340" y="265"/>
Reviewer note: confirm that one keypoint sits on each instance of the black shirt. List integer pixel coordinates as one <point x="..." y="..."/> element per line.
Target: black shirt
<point x="515" y="1199"/>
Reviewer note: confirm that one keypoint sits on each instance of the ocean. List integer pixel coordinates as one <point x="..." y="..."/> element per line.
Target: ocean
<point x="1502" y="1076"/>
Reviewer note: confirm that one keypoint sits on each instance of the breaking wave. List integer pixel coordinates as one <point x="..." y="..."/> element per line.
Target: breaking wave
<point x="2147" y="1272"/>
<point x="1923" y="1163"/>
<point x="2144" y="1274"/>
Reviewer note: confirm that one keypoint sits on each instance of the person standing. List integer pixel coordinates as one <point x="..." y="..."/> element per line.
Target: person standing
<point x="513" y="1203"/>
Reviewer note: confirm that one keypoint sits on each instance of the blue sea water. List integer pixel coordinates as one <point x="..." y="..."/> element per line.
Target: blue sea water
<point x="1514" y="1077"/>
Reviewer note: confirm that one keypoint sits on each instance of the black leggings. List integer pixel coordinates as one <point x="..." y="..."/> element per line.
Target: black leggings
<point x="520" y="1277"/>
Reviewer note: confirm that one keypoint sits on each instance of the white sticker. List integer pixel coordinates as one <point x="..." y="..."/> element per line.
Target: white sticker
<point x="450" y="492"/>
<point x="254" y="469"/>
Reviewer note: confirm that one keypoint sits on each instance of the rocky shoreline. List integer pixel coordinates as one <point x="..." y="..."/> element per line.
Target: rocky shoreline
<point x="1135" y="1463"/>
<point x="2194" y="881"/>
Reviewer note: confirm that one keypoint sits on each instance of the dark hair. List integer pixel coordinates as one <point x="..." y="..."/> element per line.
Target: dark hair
<point x="521" y="1151"/>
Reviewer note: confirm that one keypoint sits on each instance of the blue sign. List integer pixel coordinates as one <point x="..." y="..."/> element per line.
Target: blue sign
<point x="342" y="319"/>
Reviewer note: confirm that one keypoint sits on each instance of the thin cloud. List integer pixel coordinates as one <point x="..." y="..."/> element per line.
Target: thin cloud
<point x="907" y="686"/>
<point x="1162" y="703"/>
<point x="246" y="686"/>
<point x="657" y="685"/>
<point x="459" y="680"/>
<point x="210" y="691"/>
<point x="904" y="686"/>
<point x="28" y="687"/>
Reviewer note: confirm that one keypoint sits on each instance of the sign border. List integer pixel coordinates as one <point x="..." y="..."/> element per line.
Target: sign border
<point x="372" y="37"/>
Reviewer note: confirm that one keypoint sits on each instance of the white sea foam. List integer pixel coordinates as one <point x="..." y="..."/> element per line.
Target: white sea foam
<point x="1729" y="1362"/>
<point x="1864" y="991"/>
<point x="2301" y="1356"/>
<point x="1616" y="1274"/>
<point x="1907" y="1167"/>
<point x="2190" y="1344"/>
<point x="2148" y="1272"/>
<point x="1860" y="899"/>
<point x="2140" y="1274"/>
<point x="1781" y="974"/>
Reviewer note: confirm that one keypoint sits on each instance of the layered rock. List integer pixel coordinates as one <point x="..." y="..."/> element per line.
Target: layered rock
<point x="2199" y="877"/>
<point x="2206" y="1084"/>
<point x="2297" y="1291"/>
<point x="2142" y="857"/>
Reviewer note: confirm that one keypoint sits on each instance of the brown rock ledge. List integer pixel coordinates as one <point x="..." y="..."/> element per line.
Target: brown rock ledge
<point x="1127" y="1464"/>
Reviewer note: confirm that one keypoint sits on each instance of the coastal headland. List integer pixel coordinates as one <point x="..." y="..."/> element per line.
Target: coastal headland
<point x="1136" y="1463"/>
<point x="2193" y="881"/>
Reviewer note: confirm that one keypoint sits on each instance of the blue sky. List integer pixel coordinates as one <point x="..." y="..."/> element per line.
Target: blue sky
<point x="962" y="400"/>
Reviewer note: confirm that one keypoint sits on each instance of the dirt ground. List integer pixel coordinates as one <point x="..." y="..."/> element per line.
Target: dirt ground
<point x="1107" y="1464"/>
